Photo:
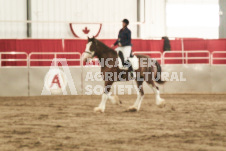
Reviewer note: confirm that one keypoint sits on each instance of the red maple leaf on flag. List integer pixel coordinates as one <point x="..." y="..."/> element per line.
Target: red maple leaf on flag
<point x="86" y="30"/>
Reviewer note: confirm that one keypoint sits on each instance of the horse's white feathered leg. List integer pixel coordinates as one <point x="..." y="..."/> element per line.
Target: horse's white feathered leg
<point x="159" y="101"/>
<point x="136" y="106"/>
<point x="138" y="102"/>
<point x="102" y="104"/>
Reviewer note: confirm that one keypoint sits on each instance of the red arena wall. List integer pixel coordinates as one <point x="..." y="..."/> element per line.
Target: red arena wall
<point x="78" y="45"/>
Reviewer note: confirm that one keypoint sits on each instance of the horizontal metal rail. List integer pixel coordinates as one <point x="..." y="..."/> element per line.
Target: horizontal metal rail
<point x="186" y="57"/>
<point x="13" y="53"/>
<point x="217" y="58"/>
<point x="149" y="53"/>
<point x="136" y="52"/>
<point x="28" y="58"/>
<point x="55" y="56"/>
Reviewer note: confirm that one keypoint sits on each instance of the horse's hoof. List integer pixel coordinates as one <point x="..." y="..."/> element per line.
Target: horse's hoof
<point x="98" y="110"/>
<point x="132" y="109"/>
<point x="117" y="101"/>
<point x="161" y="103"/>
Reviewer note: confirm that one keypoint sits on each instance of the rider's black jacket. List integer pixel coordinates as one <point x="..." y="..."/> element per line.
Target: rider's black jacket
<point x="124" y="37"/>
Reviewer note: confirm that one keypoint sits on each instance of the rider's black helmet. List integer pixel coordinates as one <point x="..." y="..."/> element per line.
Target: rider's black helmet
<point x="126" y="21"/>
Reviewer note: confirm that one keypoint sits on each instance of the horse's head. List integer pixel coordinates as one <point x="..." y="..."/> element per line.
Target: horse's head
<point x="90" y="49"/>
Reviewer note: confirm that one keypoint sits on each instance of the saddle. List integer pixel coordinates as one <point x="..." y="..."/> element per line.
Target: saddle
<point x="131" y="64"/>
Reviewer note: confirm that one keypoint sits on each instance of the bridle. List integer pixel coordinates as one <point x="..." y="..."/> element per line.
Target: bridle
<point x="90" y="53"/>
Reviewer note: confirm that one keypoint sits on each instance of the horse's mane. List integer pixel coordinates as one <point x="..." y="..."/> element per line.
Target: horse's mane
<point x="105" y="47"/>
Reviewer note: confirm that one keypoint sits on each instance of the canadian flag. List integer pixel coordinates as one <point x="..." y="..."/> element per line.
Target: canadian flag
<point x="85" y="30"/>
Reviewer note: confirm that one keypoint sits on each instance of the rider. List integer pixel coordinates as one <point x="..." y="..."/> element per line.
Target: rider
<point x="124" y="42"/>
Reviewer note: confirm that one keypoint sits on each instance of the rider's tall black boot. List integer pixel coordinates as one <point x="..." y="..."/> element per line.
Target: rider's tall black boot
<point x="120" y="54"/>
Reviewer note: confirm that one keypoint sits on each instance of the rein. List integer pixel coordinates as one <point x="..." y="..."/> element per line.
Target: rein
<point x="88" y="52"/>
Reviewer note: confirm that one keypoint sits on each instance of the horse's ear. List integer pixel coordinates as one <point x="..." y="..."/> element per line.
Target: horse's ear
<point x="88" y="38"/>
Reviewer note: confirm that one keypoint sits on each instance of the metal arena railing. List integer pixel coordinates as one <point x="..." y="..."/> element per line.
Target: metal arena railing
<point x="185" y="58"/>
<point x="13" y="57"/>
<point x="152" y="54"/>
<point x="95" y="62"/>
<point x="215" y="57"/>
<point x="55" y="57"/>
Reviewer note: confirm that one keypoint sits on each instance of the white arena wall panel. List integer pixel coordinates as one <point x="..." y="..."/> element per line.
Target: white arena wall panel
<point x="13" y="10"/>
<point x="108" y="12"/>
<point x="37" y="78"/>
<point x="154" y="26"/>
<point x="14" y="81"/>
<point x="57" y="14"/>
<point x="218" y="83"/>
<point x="198" y="78"/>
<point x="78" y="11"/>
<point x="51" y="17"/>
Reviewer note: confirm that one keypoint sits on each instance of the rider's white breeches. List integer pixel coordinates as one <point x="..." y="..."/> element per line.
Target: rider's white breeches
<point x="126" y="50"/>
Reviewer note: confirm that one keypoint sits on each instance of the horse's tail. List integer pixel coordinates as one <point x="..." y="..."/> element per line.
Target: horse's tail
<point x="159" y="71"/>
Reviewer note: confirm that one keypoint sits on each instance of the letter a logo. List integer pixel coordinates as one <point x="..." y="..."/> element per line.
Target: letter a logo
<point x="56" y="80"/>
